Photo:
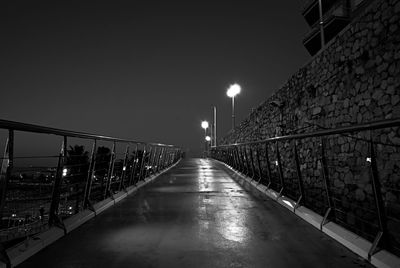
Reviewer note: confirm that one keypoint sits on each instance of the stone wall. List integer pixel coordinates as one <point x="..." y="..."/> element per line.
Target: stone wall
<point x="355" y="79"/>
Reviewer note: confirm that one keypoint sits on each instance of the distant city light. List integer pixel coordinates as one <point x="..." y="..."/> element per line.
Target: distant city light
<point x="13" y="215"/>
<point x="64" y="173"/>
<point x="204" y="124"/>
<point x="233" y="90"/>
<point x="208" y="138"/>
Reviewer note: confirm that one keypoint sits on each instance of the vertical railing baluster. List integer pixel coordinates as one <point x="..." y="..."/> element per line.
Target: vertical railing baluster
<point x="149" y="161"/>
<point x="282" y="180"/>
<point x="170" y="158"/>
<point x="6" y="169"/>
<point x="153" y="162"/>
<point x="160" y="159"/>
<point x="123" y="173"/>
<point x="142" y="163"/>
<point x="381" y="237"/>
<point x="247" y="161"/>
<point x="267" y="165"/>
<point x="54" y="218"/>
<point x="234" y="157"/>
<point x="299" y="177"/>
<point x="259" y="165"/>
<point x="133" y="167"/>
<point x="110" y="171"/>
<point x="242" y="164"/>
<point x="89" y="180"/>
<point x="239" y="160"/>
<point x="164" y="156"/>
<point x="325" y="175"/>
<point x="253" y="169"/>
<point x="230" y="157"/>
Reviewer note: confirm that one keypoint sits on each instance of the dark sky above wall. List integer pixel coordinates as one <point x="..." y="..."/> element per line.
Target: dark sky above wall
<point x="145" y="70"/>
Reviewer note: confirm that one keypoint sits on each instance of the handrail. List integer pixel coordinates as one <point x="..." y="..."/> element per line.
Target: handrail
<point x="337" y="171"/>
<point x="325" y="132"/>
<point x="13" y="125"/>
<point x="77" y="180"/>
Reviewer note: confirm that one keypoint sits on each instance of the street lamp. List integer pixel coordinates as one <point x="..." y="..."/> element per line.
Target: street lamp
<point x="232" y="91"/>
<point x="204" y="124"/>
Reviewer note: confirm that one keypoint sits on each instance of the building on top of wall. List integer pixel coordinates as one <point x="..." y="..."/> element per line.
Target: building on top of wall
<point x="336" y="14"/>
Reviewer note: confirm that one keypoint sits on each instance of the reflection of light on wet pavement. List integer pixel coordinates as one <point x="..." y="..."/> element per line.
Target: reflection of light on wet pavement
<point x="224" y="215"/>
<point x="231" y="223"/>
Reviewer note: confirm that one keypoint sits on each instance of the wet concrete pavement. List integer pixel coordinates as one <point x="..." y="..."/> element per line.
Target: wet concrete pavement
<point x="196" y="215"/>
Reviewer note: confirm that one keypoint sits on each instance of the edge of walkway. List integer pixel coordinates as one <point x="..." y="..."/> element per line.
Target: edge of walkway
<point x="33" y="245"/>
<point x="357" y="244"/>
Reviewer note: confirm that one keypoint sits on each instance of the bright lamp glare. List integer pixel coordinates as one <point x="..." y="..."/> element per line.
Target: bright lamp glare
<point x="233" y="90"/>
<point x="208" y="138"/>
<point x="204" y="124"/>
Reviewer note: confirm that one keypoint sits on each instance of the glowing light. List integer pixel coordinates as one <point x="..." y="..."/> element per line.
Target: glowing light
<point x="233" y="90"/>
<point x="368" y="159"/>
<point x="204" y="124"/>
<point x="288" y="203"/>
<point x="64" y="172"/>
<point x="13" y="215"/>
<point x="124" y="168"/>
<point x="276" y="163"/>
<point x="208" y="138"/>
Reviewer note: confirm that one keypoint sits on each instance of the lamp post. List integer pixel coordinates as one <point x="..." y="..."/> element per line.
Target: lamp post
<point x="204" y="125"/>
<point x="321" y="24"/>
<point x="232" y="91"/>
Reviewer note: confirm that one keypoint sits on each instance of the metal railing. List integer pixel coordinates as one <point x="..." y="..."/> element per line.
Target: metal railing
<point x="349" y="175"/>
<point x="33" y="198"/>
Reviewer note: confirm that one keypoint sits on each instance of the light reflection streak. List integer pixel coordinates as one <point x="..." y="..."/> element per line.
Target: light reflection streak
<point x="229" y="222"/>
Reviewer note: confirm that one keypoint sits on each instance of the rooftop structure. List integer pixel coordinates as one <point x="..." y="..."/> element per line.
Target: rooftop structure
<point x="328" y="17"/>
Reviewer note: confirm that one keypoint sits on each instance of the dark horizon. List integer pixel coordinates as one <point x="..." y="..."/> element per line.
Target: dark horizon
<point x="147" y="71"/>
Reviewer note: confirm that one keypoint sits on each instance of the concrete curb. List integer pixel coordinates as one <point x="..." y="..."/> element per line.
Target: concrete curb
<point x="357" y="244"/>
<point x="28" y="248"/>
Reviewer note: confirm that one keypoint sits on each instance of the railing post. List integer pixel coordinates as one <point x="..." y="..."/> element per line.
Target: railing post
<point x="381" y="237"/>
<point x="229" y="158"/>
<point x="142" y="162"/>
<point x="153" y="162"/>
<point x="235" y="160"/>
<point x="259" y="165"/>
<point x="55" y="200"/>
<point x="267" y="165"/>
<point x="88" y="186"/>
<point x="133" y="168"/>
<point x="159" y="157"/>
<point x="278" y="158"/>
<point x="169" y="158"/>
<point x="240" y="160"/>
<point x="110" y="171"/>
<point x="151" y="152"/>
<point x="325" y="175"/>
<point x="253" y="169"/>
<point x="6" y="169"/>
<point x="247" y="161"/>
<point x="123" y="173"/>
<point x="299" y="177"/>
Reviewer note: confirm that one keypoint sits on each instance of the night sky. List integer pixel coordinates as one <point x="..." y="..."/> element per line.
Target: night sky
<point x="144" y="70"/>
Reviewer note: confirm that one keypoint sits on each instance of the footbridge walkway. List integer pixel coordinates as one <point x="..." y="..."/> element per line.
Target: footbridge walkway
<point x="325" y="198"/>
<point x="198" y="214"/>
